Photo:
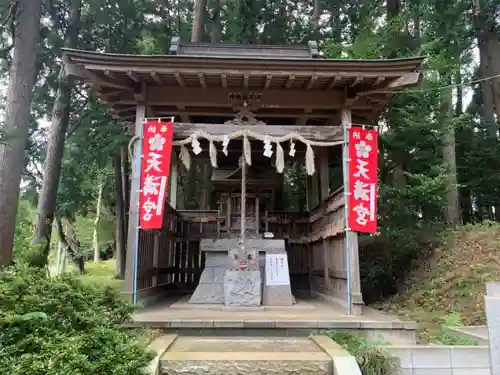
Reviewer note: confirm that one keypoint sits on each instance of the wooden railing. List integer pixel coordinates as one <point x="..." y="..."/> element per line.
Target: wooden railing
<point x="167" y="256"/>
<point x="327" y="241"/>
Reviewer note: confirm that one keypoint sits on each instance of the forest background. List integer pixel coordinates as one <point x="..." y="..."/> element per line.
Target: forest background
<point x="439" y="160"/>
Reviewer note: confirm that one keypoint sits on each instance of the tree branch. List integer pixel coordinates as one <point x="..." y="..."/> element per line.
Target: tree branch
<point x="11" y="10"/>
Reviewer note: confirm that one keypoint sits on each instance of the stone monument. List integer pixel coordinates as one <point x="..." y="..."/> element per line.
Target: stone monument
<point x="276" y="290"/>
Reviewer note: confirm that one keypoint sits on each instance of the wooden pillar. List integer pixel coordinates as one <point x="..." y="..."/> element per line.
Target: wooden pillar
<point x="324" y="190"/>
<point x="129" y="283"/>
<point x="352" y="245"/>
<point x="156" y="258"/>
<point x="257" y="213"/>
<point x="309" y="193"/>
<point x="174" y="178"/>
<point x="206" y="169"/>
<point x="324" y="178"/>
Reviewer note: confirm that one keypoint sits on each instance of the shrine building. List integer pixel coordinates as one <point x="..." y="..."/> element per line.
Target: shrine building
<point x="243" y="115"/>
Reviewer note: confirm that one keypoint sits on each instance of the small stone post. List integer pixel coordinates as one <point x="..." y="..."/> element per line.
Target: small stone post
<point x="492" y="307"/>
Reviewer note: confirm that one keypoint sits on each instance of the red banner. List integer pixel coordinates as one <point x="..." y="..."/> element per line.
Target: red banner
<point x="363" y="163"/>
<point x="155" y="168"/>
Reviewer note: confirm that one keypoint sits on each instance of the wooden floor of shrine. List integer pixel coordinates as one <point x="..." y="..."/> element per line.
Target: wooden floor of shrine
<point x="307" y="315"/>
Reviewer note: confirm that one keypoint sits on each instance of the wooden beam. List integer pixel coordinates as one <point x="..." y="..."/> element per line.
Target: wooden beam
<point x="150" y="112"/>
<point x="408" y="79"/>
<point x="201" y="78"/>
<point x="290" y="80"/>
<point x="180" y="79"/>
<point x="313" y="79"/>
<point x="269" y="78"/>
<point x="219" y="113"/>
<point x="278" y="69"/>
<point x="133" y="76"/>
<point x="184" y="117"/>
<point x="109" y="93"/>
<point x="102" y="82"/>
<point x="140" y="96"/>
<point x="199" y="97"/>
<point x="302" y="120"/>
<point x="156" y="78"/>
<point x="223" y="79"/>
<point x="317" y="133"/>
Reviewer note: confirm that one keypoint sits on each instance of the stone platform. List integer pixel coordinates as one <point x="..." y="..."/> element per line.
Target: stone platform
<point x="319" y="317"/>
<point x="317" y="355"/>
<point x="183" y="303"/>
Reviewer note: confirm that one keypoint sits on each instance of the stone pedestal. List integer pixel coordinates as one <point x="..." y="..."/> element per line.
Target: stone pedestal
<point x="221" y="280"/>
<point x="242" y="288"/>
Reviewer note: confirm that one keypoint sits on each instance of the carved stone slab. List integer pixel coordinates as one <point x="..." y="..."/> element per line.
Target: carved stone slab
<point x="242" y="288"/>
<point x="210" y="289"/>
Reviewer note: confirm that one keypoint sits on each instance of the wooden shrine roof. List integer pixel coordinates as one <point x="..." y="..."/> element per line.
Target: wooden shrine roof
<point x="285" y="85"/>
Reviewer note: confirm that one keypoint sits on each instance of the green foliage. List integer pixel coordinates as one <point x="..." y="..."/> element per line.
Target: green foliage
<point x="445" y="338"/>
<point x="371" y="360"/>
<point x="59" y="326"/>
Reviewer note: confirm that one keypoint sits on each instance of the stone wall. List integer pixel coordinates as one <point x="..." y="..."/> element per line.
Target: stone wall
<point x="441" y="360"/>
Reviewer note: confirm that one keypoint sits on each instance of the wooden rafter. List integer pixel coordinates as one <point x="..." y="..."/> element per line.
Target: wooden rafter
<point x="201" y="78"/>
<point x="312" y="81"/>
<point x="246" y="77"/>
<point x="290" y="80"/>
<point x="269" y="78"/>
<point x="133" y="76"/>
<point x="223" y="80"/>
<point x="180" y="79"/>
<point x="156" y="78"/>
<point x="334" y="82"/>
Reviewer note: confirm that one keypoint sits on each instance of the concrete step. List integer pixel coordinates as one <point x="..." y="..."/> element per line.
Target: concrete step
<point x="205" y="355"/>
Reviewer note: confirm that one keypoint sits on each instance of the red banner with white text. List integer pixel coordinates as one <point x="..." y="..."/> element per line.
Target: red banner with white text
<point x="155" y="169"/>
<point x="363" y="164"/>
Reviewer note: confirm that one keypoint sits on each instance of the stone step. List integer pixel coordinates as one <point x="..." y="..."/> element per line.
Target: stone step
<point x="198" y="355"/>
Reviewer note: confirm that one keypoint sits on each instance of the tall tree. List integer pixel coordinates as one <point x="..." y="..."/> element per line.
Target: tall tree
<point x="57" y="133"/>
<point x="16" y="128"/>
<point x="198" y="20"/>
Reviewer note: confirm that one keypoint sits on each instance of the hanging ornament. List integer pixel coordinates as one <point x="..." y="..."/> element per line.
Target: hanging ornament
<point x="225" y="142"/>
<point x="195" y="144"/>
<point x="292" y="148"/>
<point x="310" y="168"/>
<point x="268" y="148"/>
<point x="247" y="150"/>
<point x="213" y="154"/>
<point x="185" y="157"/>
<point x="280" y="158"/>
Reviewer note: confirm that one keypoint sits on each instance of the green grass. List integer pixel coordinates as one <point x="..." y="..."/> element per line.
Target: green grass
<point x="448" y="289"/>
<point x="101" y="274"/>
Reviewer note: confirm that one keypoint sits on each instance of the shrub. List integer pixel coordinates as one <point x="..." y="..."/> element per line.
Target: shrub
<point x="371" y="360"/>
<point x="58" y="326"/>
